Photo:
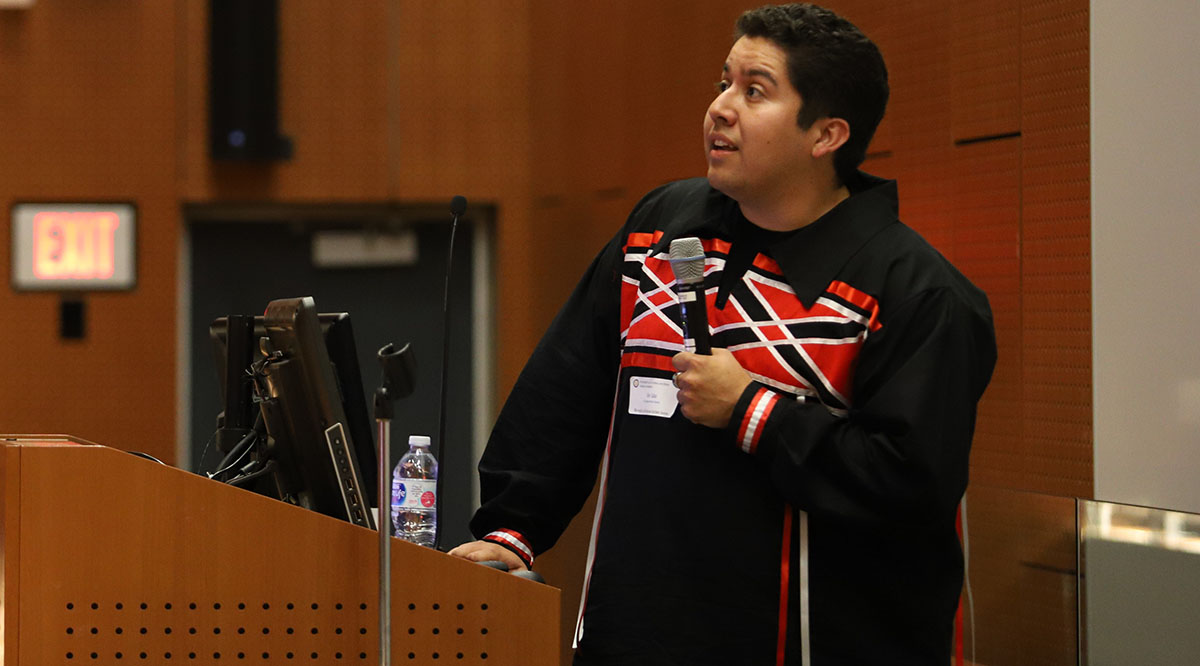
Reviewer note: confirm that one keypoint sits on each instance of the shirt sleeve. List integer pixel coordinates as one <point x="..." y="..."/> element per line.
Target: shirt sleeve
<point x="543" y="455"/>
<point x="901" y="452"/>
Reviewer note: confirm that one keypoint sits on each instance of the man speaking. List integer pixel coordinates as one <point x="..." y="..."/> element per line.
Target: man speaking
<point x="791" y="497"/>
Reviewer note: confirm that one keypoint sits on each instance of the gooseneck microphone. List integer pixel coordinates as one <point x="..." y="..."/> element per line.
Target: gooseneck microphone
<point x="687" y="262"/>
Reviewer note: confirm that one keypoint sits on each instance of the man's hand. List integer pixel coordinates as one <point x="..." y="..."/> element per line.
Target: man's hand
<point x="709" y="386"/>
<point x="486" y="551"/>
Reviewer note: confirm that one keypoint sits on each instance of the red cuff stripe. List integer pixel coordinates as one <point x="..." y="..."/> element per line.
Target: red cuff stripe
<point x="770" y="401"/>
<point x="755" y="418"/>
<point x="515" y="542"/>
<point x="746" y="417"/>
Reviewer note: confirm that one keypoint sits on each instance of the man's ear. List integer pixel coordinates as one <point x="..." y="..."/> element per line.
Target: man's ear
<point x="834" y="133"/>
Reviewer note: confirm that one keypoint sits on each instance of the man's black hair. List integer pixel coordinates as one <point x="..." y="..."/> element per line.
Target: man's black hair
<point x="838" y="72"/>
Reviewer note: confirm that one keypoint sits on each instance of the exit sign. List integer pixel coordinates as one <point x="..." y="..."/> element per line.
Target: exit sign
<point x="73" y="247"/>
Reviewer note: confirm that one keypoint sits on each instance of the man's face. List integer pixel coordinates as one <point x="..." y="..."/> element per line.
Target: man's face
<point x="756" y="151"/>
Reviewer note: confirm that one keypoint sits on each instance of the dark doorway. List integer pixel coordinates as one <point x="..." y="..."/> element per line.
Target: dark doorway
<point x="241" y="260"/>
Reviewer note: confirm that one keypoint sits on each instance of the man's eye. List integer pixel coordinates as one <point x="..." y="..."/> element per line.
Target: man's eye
<point x="722" y="86"/>
<point x="753" y="92"/>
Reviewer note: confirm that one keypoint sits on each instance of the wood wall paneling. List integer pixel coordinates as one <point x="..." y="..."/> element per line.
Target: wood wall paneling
<point x="552" y="127"/>
<point x="1056" y="248"/>
<point x="917" y="54"/>
<point x="985" y="80"/>
<point x="680" y="49"/>
<point x="985" y="41"/>
<point x="10" y="539"/>
<point x="876" y="20"/>
<point x="1043" y="441"/>
<point x="987" y="241"/>
<point x="581" y="64"/>
<point x="88" y="109"/>
<point x="1022" y="563"/>
<point x="334" y="82"/>
<point x="1012" y="214"/>
<point x="460" y="101"/>
<point x="459" y="118"/>
<point x="405" y="101"/>
<point x="333" y="104"/>
<point x="623" y="114"/>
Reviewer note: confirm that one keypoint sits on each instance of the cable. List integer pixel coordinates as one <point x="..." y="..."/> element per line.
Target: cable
<point x="240" y="450"/>
<point x="212" y="438"/>
<point x="239" y="480"/>
<point x="244" y="446"/>
<point x="207" y="445"/>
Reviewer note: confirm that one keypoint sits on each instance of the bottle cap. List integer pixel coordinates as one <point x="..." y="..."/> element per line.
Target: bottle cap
<point x="418" y="440"/>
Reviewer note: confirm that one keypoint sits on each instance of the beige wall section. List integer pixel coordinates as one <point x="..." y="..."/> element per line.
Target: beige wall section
<point x="1145" y="234"/>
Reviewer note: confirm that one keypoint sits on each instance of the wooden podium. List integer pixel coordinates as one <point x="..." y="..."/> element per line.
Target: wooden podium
<point x="112" y="559"/>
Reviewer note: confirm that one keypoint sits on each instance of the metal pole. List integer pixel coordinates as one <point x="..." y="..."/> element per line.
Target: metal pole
<point x="385" y="543"/>
<point x="399" y="369"/>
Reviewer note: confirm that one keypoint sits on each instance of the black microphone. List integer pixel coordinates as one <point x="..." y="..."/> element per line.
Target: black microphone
<point x="687" y="262"/>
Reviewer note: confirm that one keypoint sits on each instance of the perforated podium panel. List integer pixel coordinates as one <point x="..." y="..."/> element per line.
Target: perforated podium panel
<point x="112" y="559"/>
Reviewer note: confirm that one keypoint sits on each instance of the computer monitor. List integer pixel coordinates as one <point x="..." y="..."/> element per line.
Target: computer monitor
<point x="303" y="370"/>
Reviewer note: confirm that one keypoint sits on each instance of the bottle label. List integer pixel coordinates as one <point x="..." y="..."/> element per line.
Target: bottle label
<point x="415" y="494"/>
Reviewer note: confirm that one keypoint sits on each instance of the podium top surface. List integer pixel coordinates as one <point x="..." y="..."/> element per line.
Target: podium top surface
<point x="45" y="440"/>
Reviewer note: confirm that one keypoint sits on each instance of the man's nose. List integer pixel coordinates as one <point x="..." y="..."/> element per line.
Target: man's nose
<point x="722" y="109"/>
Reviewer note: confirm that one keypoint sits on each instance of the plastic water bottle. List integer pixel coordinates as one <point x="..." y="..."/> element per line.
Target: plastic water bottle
<point x="414" y="493"/>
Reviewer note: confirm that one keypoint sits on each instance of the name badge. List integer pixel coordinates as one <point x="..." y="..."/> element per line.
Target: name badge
<point x="652" y="397"/>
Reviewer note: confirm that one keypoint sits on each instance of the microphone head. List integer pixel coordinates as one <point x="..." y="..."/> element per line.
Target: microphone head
<point x="458" y="205"/>
<point x="687" y="260"/>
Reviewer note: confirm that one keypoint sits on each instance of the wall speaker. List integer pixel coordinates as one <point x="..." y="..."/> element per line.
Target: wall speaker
<point x="243" y="81"/>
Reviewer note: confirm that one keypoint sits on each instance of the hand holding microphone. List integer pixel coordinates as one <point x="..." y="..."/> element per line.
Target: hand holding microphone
<point x="709" y="386"/>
